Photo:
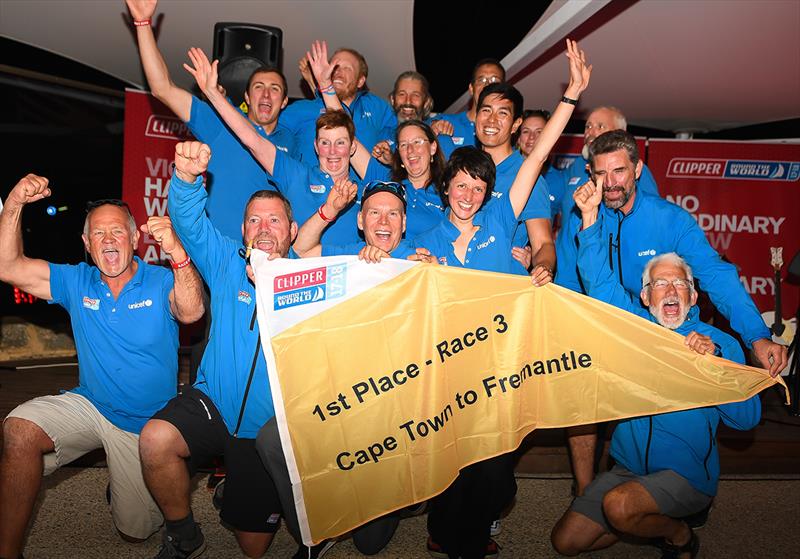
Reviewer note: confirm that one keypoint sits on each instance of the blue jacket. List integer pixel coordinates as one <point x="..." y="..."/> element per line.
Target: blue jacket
<point x="655" y="226"/>
<point x="233" y="371"/>
<point x="684" y="441"/>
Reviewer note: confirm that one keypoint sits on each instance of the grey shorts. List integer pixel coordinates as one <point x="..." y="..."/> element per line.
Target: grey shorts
<point x="76" y="427"/>
<point x="672" y="492"/>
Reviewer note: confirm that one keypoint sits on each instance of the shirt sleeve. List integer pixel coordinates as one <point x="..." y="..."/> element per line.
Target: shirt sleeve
<point x="61" y="277"/>
<point x="204" y="123"/>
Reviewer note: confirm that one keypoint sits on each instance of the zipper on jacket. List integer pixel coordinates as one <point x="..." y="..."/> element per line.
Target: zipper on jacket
<point x="250" y="377"/>
<point x="647" y="449"/>
<point x="710" y="449"/>
<point x="619" y="247"/>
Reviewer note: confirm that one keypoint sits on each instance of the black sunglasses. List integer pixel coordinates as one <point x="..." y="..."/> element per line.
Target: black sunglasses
<point x="385" y="186"/>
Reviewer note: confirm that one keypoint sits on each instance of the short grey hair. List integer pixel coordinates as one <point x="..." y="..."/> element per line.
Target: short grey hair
<point x="671" y="258"/>
<point x="619" y="118"/>
<point x="131" y="221"/>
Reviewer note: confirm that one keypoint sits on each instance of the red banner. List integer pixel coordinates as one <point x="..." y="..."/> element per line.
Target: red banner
<point x="746" y="197"/>
<point x="151" y="132"/>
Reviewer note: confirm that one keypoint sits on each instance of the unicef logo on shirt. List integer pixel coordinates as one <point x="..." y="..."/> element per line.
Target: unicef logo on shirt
<point x="141" y="304"/>
<point x="486" y="243"/>
<point x="648" y="252"/>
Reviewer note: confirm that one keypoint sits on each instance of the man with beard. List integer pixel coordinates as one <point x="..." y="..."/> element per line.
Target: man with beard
<point x="231" y="399"/>
<point x="667" y="466"/>
<point x="234" y="174"/>
<point x="633" y="229"/>
<point x="411" y="98"/>
<point x="124" y="316"/>
<point x="372" y="116"/>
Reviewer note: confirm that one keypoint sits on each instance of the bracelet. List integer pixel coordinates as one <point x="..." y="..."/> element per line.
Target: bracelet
<point x="322" y="215"/>
<point x="331" y="92"/>
<point x="327" y="89"/>
<point x="141" y="22"/>
<point x="181" y="264"/>
<point x="569" y="101"/>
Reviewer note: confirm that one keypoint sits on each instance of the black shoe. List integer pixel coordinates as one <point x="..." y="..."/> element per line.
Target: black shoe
<point x="172" y="548"/>
<point x="315" y="552"/>
<point x="698" y="519"/>
<point x="671" y="551"/>
<point x="219" y="494"/>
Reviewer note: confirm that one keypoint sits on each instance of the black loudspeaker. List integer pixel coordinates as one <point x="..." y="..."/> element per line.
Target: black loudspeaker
<point x="240" y="49"/>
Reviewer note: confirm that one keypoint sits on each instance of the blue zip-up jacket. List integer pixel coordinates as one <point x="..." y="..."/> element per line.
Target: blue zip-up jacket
<point x="233" y="371"/>
<point x="684" y="441"/>
<point x="655" y="226"/>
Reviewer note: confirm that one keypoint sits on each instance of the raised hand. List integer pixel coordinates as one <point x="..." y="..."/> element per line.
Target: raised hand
<point x="588" y="196"/>
<point x="142" y="9"/>
<point x="579" y="70"/>
<point x="160" y="229"/>
<point x="382" y="151"/>
<point x="320" y="64"/>
<point x="341" y="194"/>
<point x="30" y="188"/>
<point x="699" y="343"/>
<point x="203" y="71"/>
<point x="191" y="160"/>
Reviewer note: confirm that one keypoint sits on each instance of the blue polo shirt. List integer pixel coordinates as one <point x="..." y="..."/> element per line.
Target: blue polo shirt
<point x="401" y="251"/>
<point x="373" y="118"/>
<point x="307" y="189"/>
<point x="424" y="209"/>
<point x="490" y="247"/>
<point x="538" y="204"/>
<point x="233" y="173"/>
<point x="463" y="132"/>
<point x="128" y="347"/>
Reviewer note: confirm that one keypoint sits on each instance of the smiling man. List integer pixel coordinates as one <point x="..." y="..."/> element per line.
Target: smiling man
<point x="124" y="316"/>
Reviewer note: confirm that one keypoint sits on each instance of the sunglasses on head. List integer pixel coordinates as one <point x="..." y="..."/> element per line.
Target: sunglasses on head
<point x="385" y="186"/>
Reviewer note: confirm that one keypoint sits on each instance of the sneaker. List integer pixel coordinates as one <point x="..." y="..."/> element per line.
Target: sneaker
<point x="219" y="494"/>
<point x="435" y="550"/>
<point x="492" y="549"/>
<point x="699" y="519"/>
<point x="495" y="528"/>
<point x="172" y="548"/>
<point x="315" y="552"/>
<point x="670" y="551"/>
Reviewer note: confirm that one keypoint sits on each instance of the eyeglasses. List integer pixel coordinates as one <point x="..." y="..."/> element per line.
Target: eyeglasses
<point x="92" y="204"/>
<point x="418" y="143"/>
<point x="373" y="187"/>
<point x="679" y="284"/>
<point x="486" y="80"/>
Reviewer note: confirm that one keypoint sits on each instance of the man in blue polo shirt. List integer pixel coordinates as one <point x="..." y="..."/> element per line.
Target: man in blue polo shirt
<point x="231" y="399"/>
<point x="498" y="117"/>
<point x="124" y="316"/>
<point x="372" y="116"/>
<point x="233" y="175"/>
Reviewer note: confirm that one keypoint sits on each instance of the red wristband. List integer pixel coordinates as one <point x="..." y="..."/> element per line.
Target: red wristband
<point x="322" y="215"/>
<point x="181" y="264"/>
<point x="141" y="22"/>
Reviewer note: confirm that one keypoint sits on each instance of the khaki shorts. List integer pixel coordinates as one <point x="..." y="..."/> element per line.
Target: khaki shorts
<point x="76" y="427"/>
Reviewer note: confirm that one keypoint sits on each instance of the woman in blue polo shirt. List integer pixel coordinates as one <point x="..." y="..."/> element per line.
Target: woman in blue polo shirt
<point x="479" y="236"/>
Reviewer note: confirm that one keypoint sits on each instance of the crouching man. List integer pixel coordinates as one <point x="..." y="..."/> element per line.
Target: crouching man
<point x="667" y="465"/>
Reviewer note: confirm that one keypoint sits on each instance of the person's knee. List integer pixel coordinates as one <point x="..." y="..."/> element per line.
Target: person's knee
<point x="562" y="539"/>
<point x="160" y="439"/>
<point x="254" y="544"/>
<point x="618" y="508"/>
<point x="21" y="436"/>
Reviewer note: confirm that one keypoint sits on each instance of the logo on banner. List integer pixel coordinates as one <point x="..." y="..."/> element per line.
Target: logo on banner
<point x="93" y="304"/>
<point x="698" y="168"/>
<point x="167" y="127"/>
<point x="309" y="286"/>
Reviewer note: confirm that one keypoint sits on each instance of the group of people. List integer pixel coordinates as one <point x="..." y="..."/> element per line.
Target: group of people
<point x="350" y="173"/>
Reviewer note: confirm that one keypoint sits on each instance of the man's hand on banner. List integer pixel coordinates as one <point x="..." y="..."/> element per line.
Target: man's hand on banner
<point x="699" y="343"/>
<point x="772" y="356"/>
<point x="423" y="255"/>
<point x="191" y="160"/>
<point x="541" y="275"/>
<point x="372" y="254"/>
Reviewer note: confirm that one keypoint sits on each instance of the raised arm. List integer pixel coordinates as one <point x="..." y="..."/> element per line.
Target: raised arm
<point x="341" y="194"/>
<point x="29" y="274"/>
<point x="205" y="74"/>
<point x="579" y="73"/>
<point x="178" y="100"/>
<point x="186" y="297"/>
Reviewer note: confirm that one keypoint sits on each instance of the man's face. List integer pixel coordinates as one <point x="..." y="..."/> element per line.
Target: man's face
<point x="484" y="75"/>
<point x="668" y="304"/>
<point x="599" y="122"/>
<point x="346" y="75"/>
<point x="494" y="121"/>
<point x="409" y="99"/>
<point x="383" y="220"/>
<point x="529" y="133"/>
<point x="619" y="176"/>
<point x="465" y="195"/>
<point x="267" y="226"/>
<point x="334" y="149"/>
<point x="265" y="98"/>
<point x="110" y="241"/>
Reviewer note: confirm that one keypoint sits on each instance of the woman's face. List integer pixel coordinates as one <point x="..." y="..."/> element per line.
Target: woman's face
<point x="415" y="151"/>
<point x="529" y="133"/>
<point x="465" y="195"/>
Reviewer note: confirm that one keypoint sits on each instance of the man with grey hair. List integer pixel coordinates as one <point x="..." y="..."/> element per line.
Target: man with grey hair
<point x="667" y="466"/>
<point x="635" y="228"/>
<point x="124" y="316"/>
<point x="410" y="97"/>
